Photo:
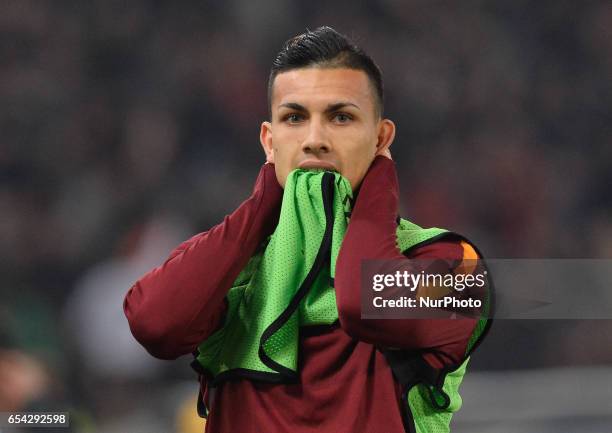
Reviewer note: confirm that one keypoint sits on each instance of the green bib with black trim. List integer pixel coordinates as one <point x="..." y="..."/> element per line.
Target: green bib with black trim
<point x="288" y="283"/>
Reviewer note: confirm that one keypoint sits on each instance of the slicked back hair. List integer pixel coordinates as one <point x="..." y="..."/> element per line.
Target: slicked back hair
<point x="324" y="47"/>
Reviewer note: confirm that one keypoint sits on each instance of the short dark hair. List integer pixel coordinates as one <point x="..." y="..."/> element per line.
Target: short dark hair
<point x="325" y="47"/>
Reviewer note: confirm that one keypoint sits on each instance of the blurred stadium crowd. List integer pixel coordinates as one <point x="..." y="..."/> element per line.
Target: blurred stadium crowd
<point x="125" y="127"/>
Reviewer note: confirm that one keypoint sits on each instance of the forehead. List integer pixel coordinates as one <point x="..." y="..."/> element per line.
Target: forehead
<point x="320" y="86"/>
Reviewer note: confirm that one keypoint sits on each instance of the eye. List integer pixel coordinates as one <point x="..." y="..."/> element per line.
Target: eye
<point x="342" y="118"/>
<point x="293" y="118"/>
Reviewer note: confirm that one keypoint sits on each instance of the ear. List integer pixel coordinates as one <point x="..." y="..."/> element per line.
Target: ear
<point x="386" y="135"/>
<point x="265" y="138"/>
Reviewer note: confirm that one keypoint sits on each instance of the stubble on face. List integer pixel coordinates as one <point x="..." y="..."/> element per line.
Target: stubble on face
<point x="327" y="117"/>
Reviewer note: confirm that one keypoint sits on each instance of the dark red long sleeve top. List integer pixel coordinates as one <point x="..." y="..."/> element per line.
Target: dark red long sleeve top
<point x="345" y="383"/>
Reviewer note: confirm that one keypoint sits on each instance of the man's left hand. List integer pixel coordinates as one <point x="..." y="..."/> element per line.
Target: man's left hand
<point x="386" y="153"/>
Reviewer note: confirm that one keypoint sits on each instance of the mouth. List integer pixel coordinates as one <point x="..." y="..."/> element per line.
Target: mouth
<point x="317" y="164"/>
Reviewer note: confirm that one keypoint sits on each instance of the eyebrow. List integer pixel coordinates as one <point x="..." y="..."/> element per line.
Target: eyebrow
<point x="329" y="109"/>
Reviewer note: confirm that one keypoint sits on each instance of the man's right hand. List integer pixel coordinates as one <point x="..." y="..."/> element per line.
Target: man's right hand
<point x="179" y="304"/>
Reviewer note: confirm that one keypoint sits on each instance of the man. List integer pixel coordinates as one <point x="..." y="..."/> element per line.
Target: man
<point x="269" y="300"/>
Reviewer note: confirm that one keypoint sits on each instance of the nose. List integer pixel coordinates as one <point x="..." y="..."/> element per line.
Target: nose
<point x="317" y="141"/>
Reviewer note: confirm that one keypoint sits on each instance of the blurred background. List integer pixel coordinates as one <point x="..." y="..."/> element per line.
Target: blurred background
<point x="126" y="127"/>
